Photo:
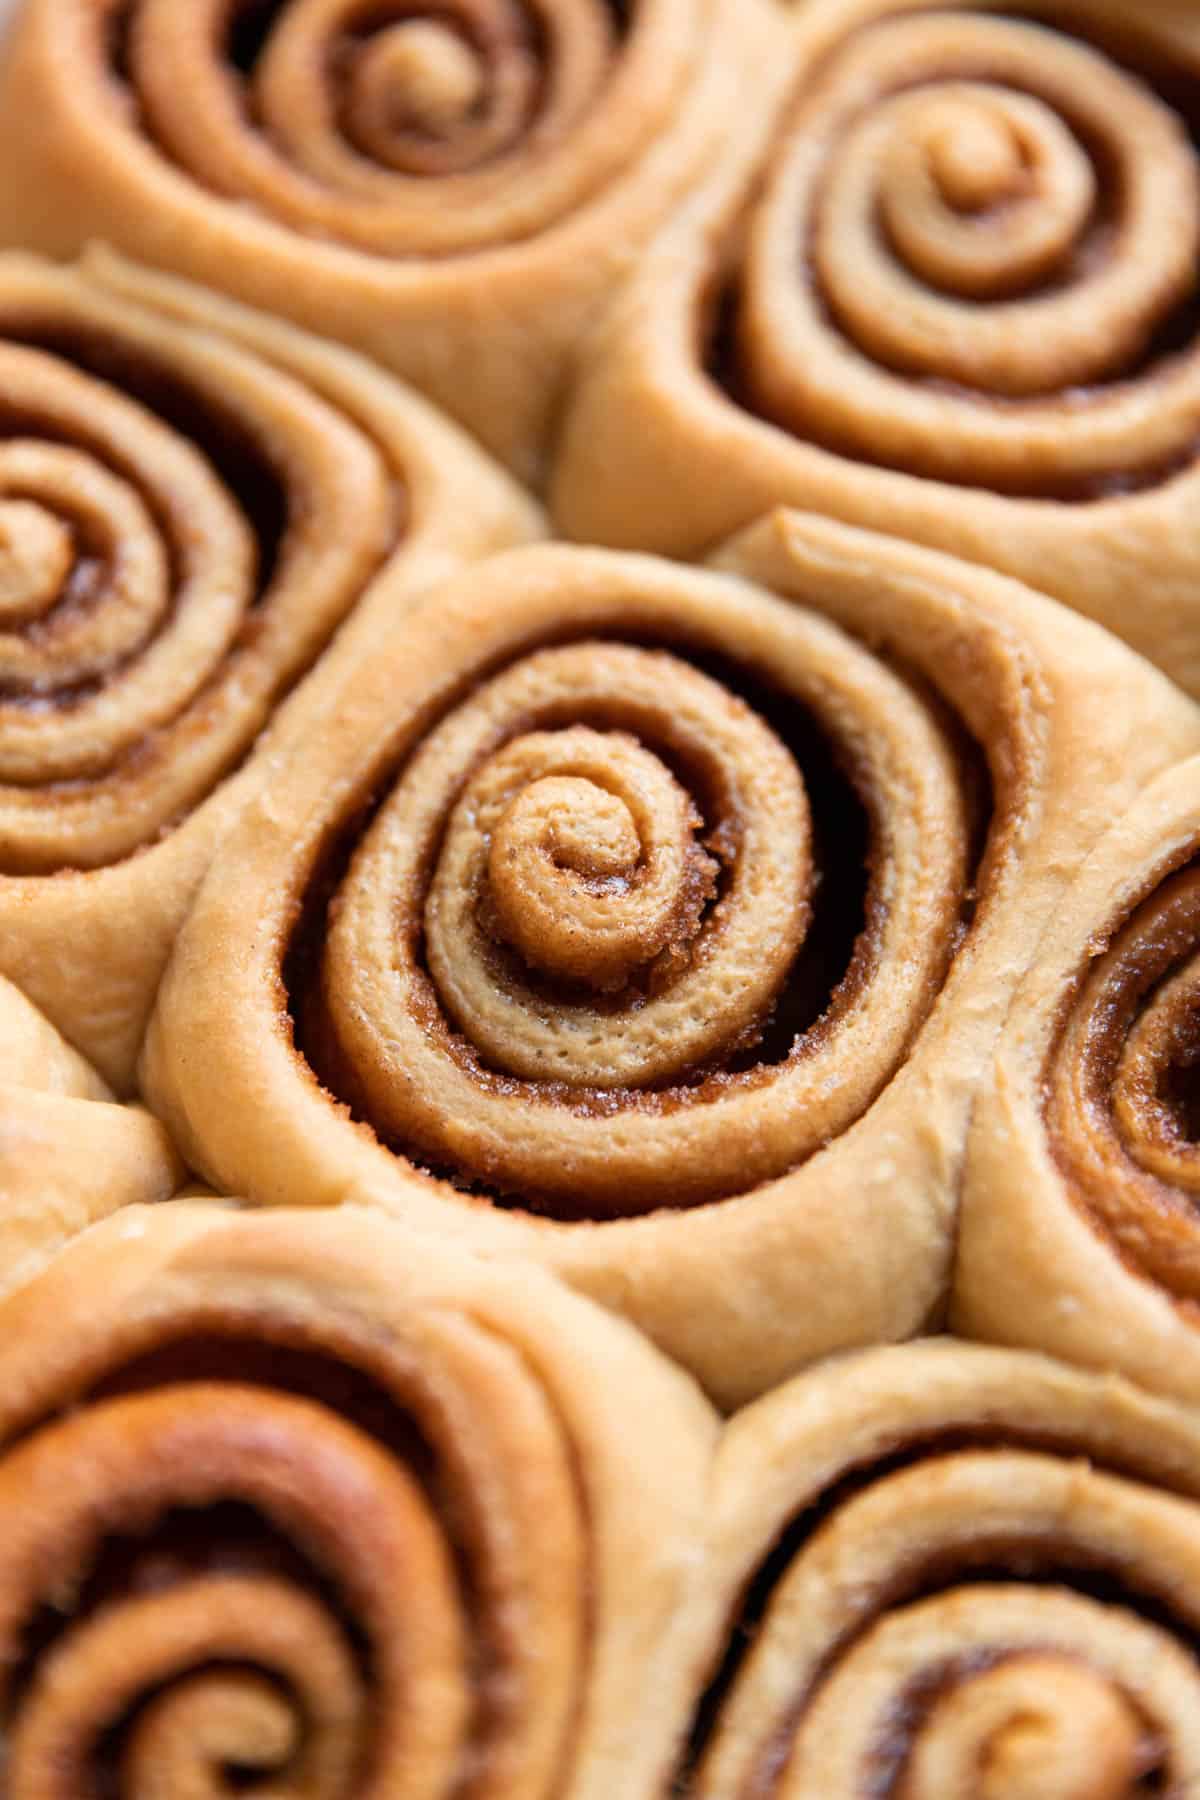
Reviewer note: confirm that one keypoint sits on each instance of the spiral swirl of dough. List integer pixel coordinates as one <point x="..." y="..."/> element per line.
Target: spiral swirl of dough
<point x="546" y="963"/>
<point x="953" y="298"/>
<point x="987" y="251"/>
<point x="307" y="1517"/>
<point x="148" y="617"/>
<point x="454" y="186"/>
<point x="399" y="129"/>
<point x="1086" y="1141"/>
<point x="68" y="1153"/>
<point x="983" y="1584"/>
<point x="657" y="923"/>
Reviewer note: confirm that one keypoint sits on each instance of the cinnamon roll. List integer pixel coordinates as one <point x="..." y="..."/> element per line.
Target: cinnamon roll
<point x="956" y="300"/>
<point x="657" y="925"/>
<point x="68" y="1153"/>
<point x="192" y="500"/>
<point x="453" y="186"/>
<point x="1079" y="1223"/>
<point x="327" y="1509"/>
<point x="954" y="1573"/>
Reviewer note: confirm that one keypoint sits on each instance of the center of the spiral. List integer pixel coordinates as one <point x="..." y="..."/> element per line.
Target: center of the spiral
<point x="601" y="843"/>
<point x="976" y="159"/>
<point x="36" y="556"/>
<point x="1039" y="1727"/>
<point x="416" y="75"/>
<point x="579" y="847"/>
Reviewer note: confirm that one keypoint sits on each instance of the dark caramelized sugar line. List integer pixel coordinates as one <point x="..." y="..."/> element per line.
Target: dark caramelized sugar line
<point x="253" y="21"/>
<point x="999" y="1564"/>
<point x="841" y="837"/>
<point x="250" y="26"/>
<point x="1120" y="36"/>
<point x="1175" y="338"/>
<point x="284" y="1360"/>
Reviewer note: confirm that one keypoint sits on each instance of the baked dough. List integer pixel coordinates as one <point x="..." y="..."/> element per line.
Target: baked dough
<point x="319" y="1501"/>
<point x="68" y="1153"/>
<point x="957" y="300"/>
<point x="656" y="924"/>
<point x="454" y="188"/>
<point x="952" y="1573"/>
<point x="1079" y="1223"/>
<point x="192" y="499"/>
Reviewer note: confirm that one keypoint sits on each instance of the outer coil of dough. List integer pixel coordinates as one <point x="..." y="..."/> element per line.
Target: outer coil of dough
<point x="455" y="188"/>
<point x="657" y="924"/>
<point x="956" y="300"/>
<point x="193" y="498"/>
<point x="1079" y="1229"/>
<point x="68" y="1153"/>
<point x="338" y="1509"/>
<point x="953" y="1573"/>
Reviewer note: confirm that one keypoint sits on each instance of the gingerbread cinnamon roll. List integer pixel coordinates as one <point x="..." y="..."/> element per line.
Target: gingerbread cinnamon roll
<point x="956" y="300"/>
<point x="455" y="187"/>
<point x="69" y="1154"/>
<point x="193" y="499"/>
<point x="329" y="1510"/>
<point x="656" y="925"/>
<point x="1079" y="1221"/>
<point x="954" y="1573"/>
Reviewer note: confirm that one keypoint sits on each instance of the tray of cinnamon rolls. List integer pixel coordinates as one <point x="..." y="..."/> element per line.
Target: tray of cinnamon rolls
<point x="600" y="900"/>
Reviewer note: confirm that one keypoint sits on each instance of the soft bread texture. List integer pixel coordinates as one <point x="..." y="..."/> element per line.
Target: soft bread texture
<point x="657" y="924"/>
<point x="602" y="1016"/>
<point x="342" y="1509"/>
<point x="468" y="238"/>
<point x="1079" y="1228"/>
<point x="69" y="1154"/>
<point x="956" y="300"/>
<point x="193" y="499"/>
<point x="953" y="1573"/>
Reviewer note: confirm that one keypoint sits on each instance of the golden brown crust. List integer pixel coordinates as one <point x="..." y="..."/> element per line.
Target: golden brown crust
<point x="194" y="499"/>
<point x="467" y="238"/>
<point x="68" y="1153"/>
<point x="957" y="300"/>
<point x="326" y="1502"/>
<point x="1079" y="1231"/>
<point x="951" y="1571"/>
<point x="400" y="1025"/>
